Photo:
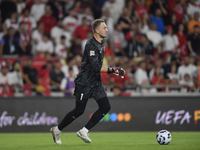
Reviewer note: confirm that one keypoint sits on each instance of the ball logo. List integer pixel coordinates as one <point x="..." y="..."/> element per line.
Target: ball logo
<point x="115" y="117"/>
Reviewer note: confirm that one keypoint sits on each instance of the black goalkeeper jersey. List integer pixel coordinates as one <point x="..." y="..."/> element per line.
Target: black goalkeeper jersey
<point x="89" y="74"/>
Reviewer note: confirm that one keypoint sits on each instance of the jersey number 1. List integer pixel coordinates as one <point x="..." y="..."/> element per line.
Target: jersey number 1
<point x="81" y="96"/>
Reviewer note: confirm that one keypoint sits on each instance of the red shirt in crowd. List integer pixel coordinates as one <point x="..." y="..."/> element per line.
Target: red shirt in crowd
<point x="179" y="12"/>
<point x="82" y="32"/>
<point x="49" y="22"/>
<point x="117" y="80"/>
<point x="141" y="10"/>
<point x="155" y="79"/>
<point x="182" y="47"/>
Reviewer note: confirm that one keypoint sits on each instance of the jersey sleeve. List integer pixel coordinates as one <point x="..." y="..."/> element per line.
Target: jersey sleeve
<point x="92" y="55"/>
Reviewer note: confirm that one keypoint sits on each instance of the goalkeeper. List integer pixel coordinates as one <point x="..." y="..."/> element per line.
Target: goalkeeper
<point x="88" y="84"/>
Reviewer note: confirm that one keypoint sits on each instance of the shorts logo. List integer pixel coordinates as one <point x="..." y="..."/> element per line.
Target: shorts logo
<point x="92" y="53"/>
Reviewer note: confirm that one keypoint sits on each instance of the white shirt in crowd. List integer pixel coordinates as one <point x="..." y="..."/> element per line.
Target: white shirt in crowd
<point x="115" y="9"/>
<point x="188" y="83"/>
<point x="154" y="36"/>
<point x="65" y="70"/>
<point x="71" y="22"/>
<point x="61" y="50"/>
<point x="173" y="76"/>
<point x="191" y="9"/>
<point x="141" y="76"/>
<point x="35" y="35"/>
<point x="5" y="79"/>
<point x="28" y="19"/>
<point x="89" y="18"/>
<point x="37" y="11"/>
<point x="16" y="78"/>
<point x="45" y="46"/>
<point x="170" y="42"/>
<point x="56" y="33"/>
<point x="83" y="43"/>
<point x="190" y="69"/>
<point x="68" y="37"/>
<point x="11" y="23"/>
<point x="20" y="7"/>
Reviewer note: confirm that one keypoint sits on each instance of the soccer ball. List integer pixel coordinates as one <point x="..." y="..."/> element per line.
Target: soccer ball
<point x="163" y="137"/>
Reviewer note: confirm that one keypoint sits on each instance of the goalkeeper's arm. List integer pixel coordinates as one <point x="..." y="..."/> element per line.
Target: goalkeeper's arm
<point x="117" y="71"/>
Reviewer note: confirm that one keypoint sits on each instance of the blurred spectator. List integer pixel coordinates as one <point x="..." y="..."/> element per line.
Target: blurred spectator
<point x="196" y="78"/>
<point x="77" y="7"/>
<point x="170" y="41"/>
<point x="159" y="4"/>
<point x="173" y="76"/>
<point x="145" y="47"/>
<point x="48" y="19"/>
<point x="76" y="49"/>
<point x="125" y="20"/>
<point x="28" y="20"/>
<point x="131" y="8"/>
<point x="3" y="30"/>
<point x="16" y="75"/>
<point x="10" y="44"/>
<point x="173" y="23"/>
<point x="182" y="47"/>
<point x="186" y="68"/>
<point x="153" y="35"/>
<point x="56" y="75"/>
<point x="117" y="41"/>
<point x="56" y="32"/>
<point x="83" y="43"/>
<point x="70" y="63"/>
<point x="157" y="18"/>
<point x="37" y="10"/>
<point x="193" y="22"/>
<point x="7" y="7"/>
<point x="57" y="8"/>
<point x="109" y="21"/>
<point x="194" y="41"/>
<point x="141" y="8"/>
<point x="44" y="46"/>
<point x="67" y="85"/>
<point x="187" y="83"/>
<point x="70" y="21"/>
<point x="114" y="8"/>
<point x="141" y="77"/>
<point x="12" y="21"/>
<point x="21" y="5"/>
<point x="176" y="7"/>
<point x="61" y="49"/>
<point x="158" y="78"/>
<point x="82" y="30"/>
<point x="37" y="35"/>
<point x="30" y="73"/>
<point x="158" y="64"/>
<point x="133" y="31"/>
<point x="5" y="78"/>
<point x="22" y="34"/>
<point x="131" y="49"/>
<point x="68" y="36"/>
<point x="192" y="9"/>
<point x="88" y="14"/>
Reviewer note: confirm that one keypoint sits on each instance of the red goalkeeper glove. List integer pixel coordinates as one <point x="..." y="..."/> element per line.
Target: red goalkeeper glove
<point x="117" y="71"/>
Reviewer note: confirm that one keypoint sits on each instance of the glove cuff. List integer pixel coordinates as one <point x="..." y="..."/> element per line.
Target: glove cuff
<point x="110" y="70"/>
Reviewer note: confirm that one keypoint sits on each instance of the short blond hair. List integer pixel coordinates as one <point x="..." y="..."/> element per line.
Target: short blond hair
<point x="96" y="23"/>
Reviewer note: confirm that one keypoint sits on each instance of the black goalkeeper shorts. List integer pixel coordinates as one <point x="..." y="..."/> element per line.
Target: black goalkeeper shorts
<point x="84" y="93"/>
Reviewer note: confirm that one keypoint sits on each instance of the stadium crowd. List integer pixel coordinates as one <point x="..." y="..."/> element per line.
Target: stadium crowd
<point x="157" y="42"/>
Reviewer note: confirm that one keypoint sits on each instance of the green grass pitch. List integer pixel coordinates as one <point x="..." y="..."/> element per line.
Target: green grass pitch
<point x="100" y="141"/>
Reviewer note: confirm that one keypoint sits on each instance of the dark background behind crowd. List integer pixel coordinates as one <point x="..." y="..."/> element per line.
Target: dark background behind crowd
<point x="157" y="42"/>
